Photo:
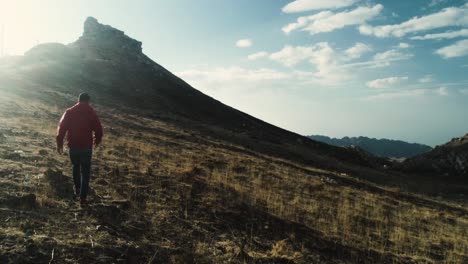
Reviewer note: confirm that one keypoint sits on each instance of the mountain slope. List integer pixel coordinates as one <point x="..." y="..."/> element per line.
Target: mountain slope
<point x="164" y="194"/>
<point x="447" y="160"/>
<point x="112" y="67"/>
<point x="181" y="178"/>
<point x="378" y="147"/>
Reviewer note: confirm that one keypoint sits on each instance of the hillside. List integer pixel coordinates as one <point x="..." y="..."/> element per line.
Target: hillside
<point x="112" y="66"/>
<point x="182" y="178"/>
<point x="379" y="147"/>
<point x="449" y="160"/>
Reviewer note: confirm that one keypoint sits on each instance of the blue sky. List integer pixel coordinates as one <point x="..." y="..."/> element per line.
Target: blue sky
<point x="393" y="69"/>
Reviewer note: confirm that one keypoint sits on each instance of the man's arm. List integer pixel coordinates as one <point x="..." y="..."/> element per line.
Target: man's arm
<point x="62" y="128"/>
<point x="97" y="128"/>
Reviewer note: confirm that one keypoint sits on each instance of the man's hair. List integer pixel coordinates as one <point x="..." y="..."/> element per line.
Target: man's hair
<point x="84" y="97"/>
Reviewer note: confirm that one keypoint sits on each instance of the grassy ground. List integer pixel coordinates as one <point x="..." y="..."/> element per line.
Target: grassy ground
<point x="165" y="194"/>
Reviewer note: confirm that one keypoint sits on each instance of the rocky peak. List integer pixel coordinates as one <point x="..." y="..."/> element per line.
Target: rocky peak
<point x="107" y="39"/>
<point x="458" y="141"/>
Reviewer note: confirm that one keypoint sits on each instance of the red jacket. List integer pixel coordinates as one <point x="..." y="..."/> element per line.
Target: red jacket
<point x="79" y="121"/>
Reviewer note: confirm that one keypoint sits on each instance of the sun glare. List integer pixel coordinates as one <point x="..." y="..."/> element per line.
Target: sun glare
<point x="21" y="24"/>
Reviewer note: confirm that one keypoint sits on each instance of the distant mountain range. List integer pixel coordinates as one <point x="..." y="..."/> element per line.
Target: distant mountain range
<point x="378" y="147"/>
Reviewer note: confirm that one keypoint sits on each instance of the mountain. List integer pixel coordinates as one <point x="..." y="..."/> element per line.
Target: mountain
<point x="379" y="147"/>
<point x="112" y="66"/>
<point x="183" y="178"/>
<point x="447" y="160"/>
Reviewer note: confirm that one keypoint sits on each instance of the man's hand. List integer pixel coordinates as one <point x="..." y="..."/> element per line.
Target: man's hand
<point x="60" y="150"/>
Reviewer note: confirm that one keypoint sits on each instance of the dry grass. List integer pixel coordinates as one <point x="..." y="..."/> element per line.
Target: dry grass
<point x="353" y="217"/>
<point x="175" y="184"/>
<point x="382" y="222"/>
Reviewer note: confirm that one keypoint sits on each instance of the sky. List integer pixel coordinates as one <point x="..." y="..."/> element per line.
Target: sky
<point x="377" y="68"/>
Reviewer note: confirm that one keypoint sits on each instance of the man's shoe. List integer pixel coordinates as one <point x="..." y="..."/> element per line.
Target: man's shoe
<point x="83" y="202"/>
<point x="77" y="194"/>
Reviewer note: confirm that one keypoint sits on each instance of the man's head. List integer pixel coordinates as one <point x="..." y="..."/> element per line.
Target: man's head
<point x="84" y="97"/>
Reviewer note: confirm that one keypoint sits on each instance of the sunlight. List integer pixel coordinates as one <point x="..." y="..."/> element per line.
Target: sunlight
<point x="21" y="25"/>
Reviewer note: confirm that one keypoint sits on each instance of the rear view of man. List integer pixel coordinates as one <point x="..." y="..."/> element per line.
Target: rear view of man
<point x="79" y="122"/>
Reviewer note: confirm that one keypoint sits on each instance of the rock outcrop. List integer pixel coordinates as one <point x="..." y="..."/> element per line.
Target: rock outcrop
<point x="448" y="160"/>
<point x="107" y="40"/>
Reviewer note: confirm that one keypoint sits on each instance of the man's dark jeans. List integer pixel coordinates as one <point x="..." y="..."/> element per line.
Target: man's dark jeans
<point x="81" y="160"/>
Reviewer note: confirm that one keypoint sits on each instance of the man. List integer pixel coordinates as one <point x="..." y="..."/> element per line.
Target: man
<point x="79" y="122"/>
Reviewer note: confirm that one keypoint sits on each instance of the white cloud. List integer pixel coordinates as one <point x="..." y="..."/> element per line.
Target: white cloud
<point x="445" y="35"/>
<point x="386" y="82"/>
<point x="436" y="2"/>
<point x="307" y="5"/>
<point x="459" y="49"/>
<point x="333" y="65"/>
<point x="235" y="81"/>
<point x="397" y="95"/>
<point x="326" y="61"/>
<point x="323" y="54"/>
<point x="426" y="79"/>
<point x="290" y="55"/>
<point x="258" y="55"/>
<point x="236" y="77"/>
<point x="330" y="66"/>
<point x="385" y="58"/>
<point x="327" y="21"/>
<point x="442" y="91"/>
<point x="414" y="93"/>
<point x="381" y="59"/>
<point x="358" y="50"/>
<point x="452" y="16"/>
<point x="403" y="45"/>
<point x="244" y="43"/>
<point x="225" y="75"/>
